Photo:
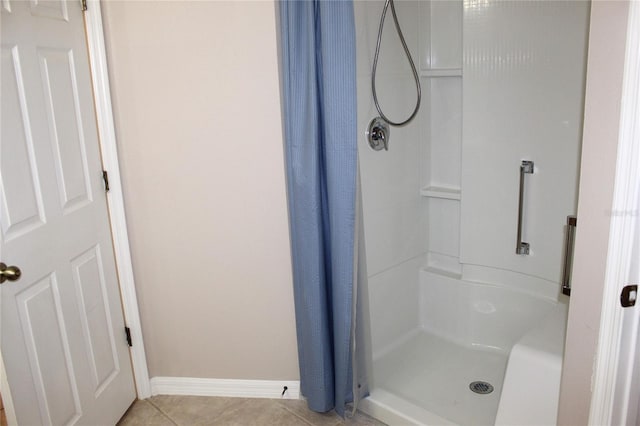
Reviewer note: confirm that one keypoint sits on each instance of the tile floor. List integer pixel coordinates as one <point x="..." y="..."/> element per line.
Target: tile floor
<point x="3" y="417"/>
<point x="166" y="410"/>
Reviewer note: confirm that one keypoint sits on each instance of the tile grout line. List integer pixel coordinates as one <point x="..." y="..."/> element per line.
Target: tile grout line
<point x="238" y="405"/>
<point x="240" y="401"/>
<point x="295" y="414"/>
<point x="161" y="411"/>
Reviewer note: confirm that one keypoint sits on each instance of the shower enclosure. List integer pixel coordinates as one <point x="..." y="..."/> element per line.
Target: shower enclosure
<point x="465" y="215"/>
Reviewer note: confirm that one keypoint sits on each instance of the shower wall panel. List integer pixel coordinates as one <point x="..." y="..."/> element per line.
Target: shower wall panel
<point x="441" y="35"/>
<point x="445" y="131"/>
<point x="393" y="216"/>
<point x="524" y="73"/>
<point x="393" y="304"/>
<point x="441" y="134"/>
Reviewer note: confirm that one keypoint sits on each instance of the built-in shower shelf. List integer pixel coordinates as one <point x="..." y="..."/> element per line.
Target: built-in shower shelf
<point x="440" y="192"/>
<point x="441" y="72"/>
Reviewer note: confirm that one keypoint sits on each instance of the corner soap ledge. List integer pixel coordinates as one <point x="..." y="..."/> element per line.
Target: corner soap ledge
<point x="440" y="192"/>
<point x="441" y="72"/>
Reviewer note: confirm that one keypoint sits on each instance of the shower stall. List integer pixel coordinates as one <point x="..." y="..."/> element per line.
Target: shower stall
<point x="465" y="214"/>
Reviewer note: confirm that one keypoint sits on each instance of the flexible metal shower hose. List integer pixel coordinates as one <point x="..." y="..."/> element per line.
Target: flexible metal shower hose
<point x="375" y="66"/>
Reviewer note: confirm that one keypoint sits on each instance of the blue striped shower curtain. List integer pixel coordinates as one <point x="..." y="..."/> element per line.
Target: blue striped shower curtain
<point x="317" y="40"/>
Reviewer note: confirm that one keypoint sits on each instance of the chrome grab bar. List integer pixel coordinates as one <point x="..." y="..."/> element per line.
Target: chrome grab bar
<point x="568" y="254"/>
<point x="525" y="167"/>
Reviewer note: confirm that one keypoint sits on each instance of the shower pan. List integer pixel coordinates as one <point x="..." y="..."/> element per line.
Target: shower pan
<point x="467" y="328"/>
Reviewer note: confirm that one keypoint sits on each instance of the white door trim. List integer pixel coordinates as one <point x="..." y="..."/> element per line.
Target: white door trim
<point x="108" y="148"/>
<point x="273" y="389"/>
<point x="624" y="223"/>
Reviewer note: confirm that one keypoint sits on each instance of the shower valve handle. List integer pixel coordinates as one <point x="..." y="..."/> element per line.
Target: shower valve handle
<point x="378" y="134"/>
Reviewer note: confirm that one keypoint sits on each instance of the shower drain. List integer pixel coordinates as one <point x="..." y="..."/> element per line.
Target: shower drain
<point x="481" y="387"/>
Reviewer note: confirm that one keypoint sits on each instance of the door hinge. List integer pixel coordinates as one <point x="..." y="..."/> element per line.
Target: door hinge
<point x="84" y="5"/>
<point x="629" y="295"/>
<point x="127" y="332"/>
<point x="105" y="177"/>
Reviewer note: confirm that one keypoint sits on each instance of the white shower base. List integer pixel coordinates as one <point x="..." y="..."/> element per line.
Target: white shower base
<point x="471" y="332"/>
<point x="434" y="374"/>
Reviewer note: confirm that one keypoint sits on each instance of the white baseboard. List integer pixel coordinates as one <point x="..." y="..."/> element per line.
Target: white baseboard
<point x="225" y="387"/>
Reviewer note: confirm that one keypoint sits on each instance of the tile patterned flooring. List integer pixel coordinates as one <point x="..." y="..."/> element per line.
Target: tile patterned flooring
<point x="169" y="410"/>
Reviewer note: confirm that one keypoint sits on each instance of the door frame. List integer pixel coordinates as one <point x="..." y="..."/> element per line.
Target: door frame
<point x="115" y="199"/>
<point x="623" y="229"/>
<point x="115" y="202"/>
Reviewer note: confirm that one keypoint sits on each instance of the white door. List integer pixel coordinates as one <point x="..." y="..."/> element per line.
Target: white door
<point x="62" y="326"/>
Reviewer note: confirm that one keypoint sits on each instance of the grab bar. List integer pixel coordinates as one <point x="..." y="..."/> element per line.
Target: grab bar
<point x="525" y="167"/>
<point x="572" y="221"/>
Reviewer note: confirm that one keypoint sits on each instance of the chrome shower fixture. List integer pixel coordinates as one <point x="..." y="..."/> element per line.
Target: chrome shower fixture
<point x="378" y="134"/>
<point x="407" y="53"/>
<point x="378" y="131"/>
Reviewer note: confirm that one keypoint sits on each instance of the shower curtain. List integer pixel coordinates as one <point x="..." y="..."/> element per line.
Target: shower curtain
<point x="317" y="40"/>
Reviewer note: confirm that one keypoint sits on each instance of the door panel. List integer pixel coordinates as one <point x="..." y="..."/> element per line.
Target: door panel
<point x="55" y="9"/>
<point x="21" y="198"/>
<point x="48" y="351"/>
<point x="97" y="326"/>
<point x="62" y="326"/>
<point x="65" y="126"/>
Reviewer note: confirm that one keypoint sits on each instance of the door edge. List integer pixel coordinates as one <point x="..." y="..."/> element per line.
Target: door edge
<point x="115" y="200"/>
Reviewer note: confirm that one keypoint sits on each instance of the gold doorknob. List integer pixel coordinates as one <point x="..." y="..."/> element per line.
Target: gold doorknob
<point x="9" y="273"/>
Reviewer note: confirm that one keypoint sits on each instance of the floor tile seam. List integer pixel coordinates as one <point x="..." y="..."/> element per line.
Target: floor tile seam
<point x="297" y="415"/>
<point x="237" y="401"/>
<point x="161" y="411"/>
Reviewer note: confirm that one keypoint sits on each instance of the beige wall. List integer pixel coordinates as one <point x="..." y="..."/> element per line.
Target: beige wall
<point x="599" y="149"/>
<point x="197" y="110"/>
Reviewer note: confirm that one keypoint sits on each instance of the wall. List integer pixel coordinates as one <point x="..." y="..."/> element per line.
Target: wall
<point x="599" y="147"/>
<point x="197" y="111"/>
<point x="390" y="179"/>
<point x="441" y="72"/>
<point x="523" y="100"/>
